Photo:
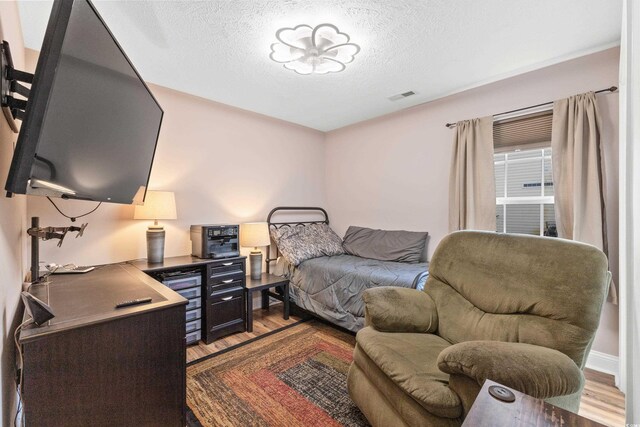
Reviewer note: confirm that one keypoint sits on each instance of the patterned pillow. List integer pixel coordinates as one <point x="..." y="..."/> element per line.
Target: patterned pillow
<point x="300" y="243"/>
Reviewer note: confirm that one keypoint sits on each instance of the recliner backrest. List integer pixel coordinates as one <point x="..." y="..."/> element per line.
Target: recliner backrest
<point x="517" y="288"/>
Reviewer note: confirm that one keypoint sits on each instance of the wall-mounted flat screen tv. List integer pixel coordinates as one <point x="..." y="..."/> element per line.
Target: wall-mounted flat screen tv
<point x="91" y="124"/>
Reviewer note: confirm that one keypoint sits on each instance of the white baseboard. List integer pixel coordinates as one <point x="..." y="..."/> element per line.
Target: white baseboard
<point x="605" y="363"/>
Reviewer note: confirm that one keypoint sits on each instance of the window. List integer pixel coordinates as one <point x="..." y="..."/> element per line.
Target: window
<point x="524" y="192"/>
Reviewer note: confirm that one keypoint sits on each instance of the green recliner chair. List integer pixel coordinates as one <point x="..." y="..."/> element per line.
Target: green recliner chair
<point x="519" y="310"/>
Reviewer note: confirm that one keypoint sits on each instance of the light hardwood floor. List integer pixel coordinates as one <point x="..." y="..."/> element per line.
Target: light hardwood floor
<point x="264" y="321"/>
<point x="601" y="400"/>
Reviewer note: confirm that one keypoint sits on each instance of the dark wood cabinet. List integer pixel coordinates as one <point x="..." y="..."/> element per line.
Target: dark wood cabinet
<point x="223" y="304"/>
<point x="96" y="365"/>
<point x="225" y="298"/>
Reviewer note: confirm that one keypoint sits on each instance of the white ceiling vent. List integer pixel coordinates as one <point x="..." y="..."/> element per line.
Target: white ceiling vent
<point x="401" y="95"/>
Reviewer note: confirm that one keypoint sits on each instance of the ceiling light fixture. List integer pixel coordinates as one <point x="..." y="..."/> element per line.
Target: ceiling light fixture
<point x="307" y="50"/>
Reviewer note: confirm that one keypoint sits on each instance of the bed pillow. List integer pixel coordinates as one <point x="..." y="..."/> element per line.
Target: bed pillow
<point x="385" y="245"/>
<point x="300" y="243"/>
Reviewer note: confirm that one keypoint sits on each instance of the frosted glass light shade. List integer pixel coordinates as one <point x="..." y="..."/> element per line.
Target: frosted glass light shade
<point x="157" y="205"/>
<point x="254" y="234"/>
<point x="308" y="50"/>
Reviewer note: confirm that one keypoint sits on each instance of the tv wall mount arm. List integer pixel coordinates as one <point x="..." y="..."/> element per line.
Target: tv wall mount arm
<point x="48" y="233"/>
<point x="12" y="107"/>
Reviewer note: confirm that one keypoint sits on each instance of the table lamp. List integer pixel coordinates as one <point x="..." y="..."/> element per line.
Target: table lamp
<point x="157" y="205"/>
<point x="255" y="234"/>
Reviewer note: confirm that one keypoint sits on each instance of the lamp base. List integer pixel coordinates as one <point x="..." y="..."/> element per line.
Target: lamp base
<point x="155" y="244"/>
<point x="256" y="265"/>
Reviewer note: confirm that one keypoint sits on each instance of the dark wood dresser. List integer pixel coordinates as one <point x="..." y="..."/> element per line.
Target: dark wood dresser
<point x="223" y="290"/>
<point x="97" y="365"/>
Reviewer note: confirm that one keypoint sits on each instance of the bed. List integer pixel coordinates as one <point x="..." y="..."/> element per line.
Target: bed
<point x="331" y="287"/>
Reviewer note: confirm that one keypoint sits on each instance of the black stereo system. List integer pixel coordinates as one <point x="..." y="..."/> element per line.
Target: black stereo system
<point x="215" y="241"/>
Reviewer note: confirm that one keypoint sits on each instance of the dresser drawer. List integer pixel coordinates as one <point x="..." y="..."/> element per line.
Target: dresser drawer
<point x="191" y="293"/>
<point x="225" y="314"/>
<point x="225" y="281"/>
<point x="193" y="314"/>
<point x="193" y="326"/>
<point x="225" y="267"/>
<point x="194" y="303"/>
<point x="178" y="282"/>
<point x="193" y="337"/>
<point x="225" y="295"/>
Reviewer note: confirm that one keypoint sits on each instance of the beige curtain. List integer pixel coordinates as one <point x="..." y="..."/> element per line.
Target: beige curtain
<point x="472" y="191"/>
<point x="578" y="172"/>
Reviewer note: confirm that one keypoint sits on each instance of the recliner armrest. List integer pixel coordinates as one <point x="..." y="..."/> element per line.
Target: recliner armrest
<point x="534" y="370"/>
<point x="393" y="309"/>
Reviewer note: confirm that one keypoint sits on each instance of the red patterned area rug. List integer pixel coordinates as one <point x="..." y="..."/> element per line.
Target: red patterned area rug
<point x="296" y="377"/>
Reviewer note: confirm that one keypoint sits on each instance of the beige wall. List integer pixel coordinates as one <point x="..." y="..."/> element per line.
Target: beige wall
<point x="225" y="165"/>
<point x="393" y="172"/>
<point x="12" y="229"/>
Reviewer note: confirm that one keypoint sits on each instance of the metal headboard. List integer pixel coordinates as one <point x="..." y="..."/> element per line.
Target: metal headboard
<point x="276" y="225"/>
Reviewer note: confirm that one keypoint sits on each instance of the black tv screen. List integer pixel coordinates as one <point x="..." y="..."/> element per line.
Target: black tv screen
<point x="91" y="123"/>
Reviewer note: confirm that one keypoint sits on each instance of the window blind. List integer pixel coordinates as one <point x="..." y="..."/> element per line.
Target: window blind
<point x="527" y="132"/>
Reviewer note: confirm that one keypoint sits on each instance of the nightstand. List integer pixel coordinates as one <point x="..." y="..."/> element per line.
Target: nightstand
<point x="266" y="282"/>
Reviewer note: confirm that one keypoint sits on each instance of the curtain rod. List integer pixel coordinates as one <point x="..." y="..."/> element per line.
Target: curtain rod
<point x="609" y="89"/>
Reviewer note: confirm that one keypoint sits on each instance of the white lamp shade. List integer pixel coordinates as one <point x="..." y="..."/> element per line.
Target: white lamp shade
<point x="254" y="234"/>
<point x="157" y="205"/>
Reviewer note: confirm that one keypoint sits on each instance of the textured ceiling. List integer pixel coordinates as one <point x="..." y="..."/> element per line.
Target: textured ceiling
<point x="220" y="49"/>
